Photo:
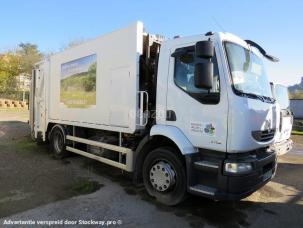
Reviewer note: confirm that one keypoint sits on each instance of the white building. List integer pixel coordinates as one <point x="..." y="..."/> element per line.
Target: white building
<point x="24" y="82"/>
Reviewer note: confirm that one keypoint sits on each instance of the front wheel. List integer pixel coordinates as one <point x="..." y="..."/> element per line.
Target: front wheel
<point x="164" y="176"/>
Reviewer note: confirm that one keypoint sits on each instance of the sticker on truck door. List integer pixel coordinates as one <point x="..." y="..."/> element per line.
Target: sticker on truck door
<point x="198" y="128"/>
<point x="209" y="129"/>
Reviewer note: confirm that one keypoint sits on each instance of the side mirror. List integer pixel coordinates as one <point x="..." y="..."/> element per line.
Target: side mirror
<point x="205" y="49"/>
<point x="204" y="75"/>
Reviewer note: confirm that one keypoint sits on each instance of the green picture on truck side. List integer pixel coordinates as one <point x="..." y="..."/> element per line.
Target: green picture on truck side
<point x="78" y="82"/>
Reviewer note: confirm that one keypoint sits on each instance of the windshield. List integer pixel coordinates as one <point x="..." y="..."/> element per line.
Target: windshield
<point x="281" y="95"/>
<point x="247" y="71"/>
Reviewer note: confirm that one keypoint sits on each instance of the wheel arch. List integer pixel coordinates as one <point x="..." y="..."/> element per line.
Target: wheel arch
<point x="160" y="136"/>
<point x="176" y="135"/>
<point x="52" y="127"/>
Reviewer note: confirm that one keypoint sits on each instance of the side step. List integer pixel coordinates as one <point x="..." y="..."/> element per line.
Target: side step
<point x="202" y="189"/>
<point x="128" y="166"/>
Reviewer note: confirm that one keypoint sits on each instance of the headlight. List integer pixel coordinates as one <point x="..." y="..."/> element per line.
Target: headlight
<point x="231" y="167"/>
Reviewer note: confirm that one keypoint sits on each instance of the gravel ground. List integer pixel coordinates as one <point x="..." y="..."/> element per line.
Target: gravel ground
<point x="35" y="186"/>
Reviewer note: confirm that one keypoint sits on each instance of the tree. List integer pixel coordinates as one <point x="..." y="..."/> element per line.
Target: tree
<point x="10" y="67"/>
<point x="15" y="63"/>
<point x="30" y="55"/>
<point x="90" y="79"/>
<point x="296" y="94"/>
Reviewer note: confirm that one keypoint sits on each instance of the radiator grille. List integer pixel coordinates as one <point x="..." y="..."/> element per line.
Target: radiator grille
<point x="264" y="136"/>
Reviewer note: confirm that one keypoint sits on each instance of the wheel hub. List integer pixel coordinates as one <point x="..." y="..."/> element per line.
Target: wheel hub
<point x="162" y="176"/>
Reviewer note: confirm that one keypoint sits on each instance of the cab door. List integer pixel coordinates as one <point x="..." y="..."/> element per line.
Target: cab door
<point x="200" y="114"/>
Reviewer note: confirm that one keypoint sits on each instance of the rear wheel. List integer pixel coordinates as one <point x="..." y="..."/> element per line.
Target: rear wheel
<point x="57" y="142"/>
<point x="164" y="176"/>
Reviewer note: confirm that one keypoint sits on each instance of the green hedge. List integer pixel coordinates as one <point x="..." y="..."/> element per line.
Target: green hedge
<point x="15" y="95"/>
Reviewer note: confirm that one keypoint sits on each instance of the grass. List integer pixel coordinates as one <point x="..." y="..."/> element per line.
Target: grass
<point x="85" y="186"/>
<point x="13" y="110"/>
<point x="297" y="132"/>
<point x="23" y="145"/>
<point x="21" y="113"/>
<point x="78" y="99"/>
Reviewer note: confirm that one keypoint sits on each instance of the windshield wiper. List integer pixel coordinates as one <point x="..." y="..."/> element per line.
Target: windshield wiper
<point x="250" y="95"/>
<point x="256" y="96"/>
<point x="270" y="99"/>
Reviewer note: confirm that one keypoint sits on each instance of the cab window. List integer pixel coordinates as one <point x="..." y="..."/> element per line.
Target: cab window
<point x="184" y="78"/>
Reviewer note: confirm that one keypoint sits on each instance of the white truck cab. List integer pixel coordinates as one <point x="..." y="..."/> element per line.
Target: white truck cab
<point x="192" y="114"/>
<point x="231" y="124"/>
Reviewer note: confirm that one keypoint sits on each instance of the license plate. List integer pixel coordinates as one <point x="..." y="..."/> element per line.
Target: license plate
<point x="267" y="175"/>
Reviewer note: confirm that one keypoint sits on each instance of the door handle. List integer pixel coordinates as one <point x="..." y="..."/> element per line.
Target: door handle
<point x="171" y="115"/>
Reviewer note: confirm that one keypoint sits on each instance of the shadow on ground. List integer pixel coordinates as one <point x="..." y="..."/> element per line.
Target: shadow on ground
<point x="200" y="211"/>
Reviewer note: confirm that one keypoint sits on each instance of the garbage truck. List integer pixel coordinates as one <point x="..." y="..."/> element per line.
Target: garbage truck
<point x="186" y="115"/>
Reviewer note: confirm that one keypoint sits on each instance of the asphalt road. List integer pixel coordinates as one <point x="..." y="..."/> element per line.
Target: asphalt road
<point x="34" y="186"/>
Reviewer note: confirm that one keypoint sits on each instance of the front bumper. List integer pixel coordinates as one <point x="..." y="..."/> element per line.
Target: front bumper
<point x="206" y="175"/>
<point x="283" y="147"/>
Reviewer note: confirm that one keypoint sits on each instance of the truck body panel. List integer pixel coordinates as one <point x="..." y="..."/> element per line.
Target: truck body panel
<point x="111" y="102"/>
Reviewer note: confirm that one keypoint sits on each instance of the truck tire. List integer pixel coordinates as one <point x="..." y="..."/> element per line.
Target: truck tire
<point x="57" y="142"/>
<point x="164" y="176"/>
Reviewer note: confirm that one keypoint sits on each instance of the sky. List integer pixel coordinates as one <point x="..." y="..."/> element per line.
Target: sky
<point x="51" y="24"/>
